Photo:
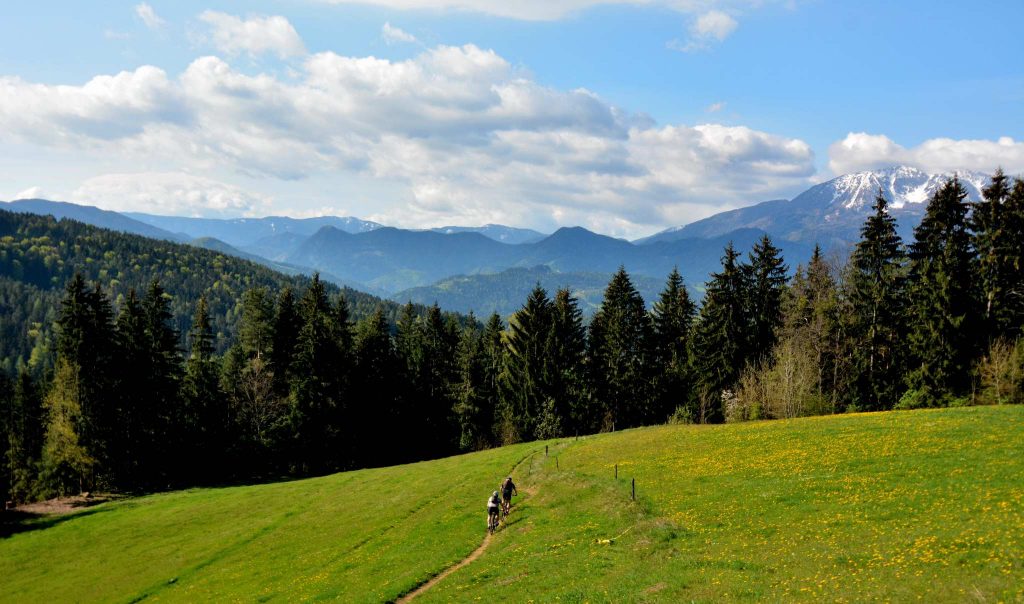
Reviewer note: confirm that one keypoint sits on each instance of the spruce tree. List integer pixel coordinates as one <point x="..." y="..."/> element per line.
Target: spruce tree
<point x="374" y="391"/>
<point x="1011" y="319"/>
<point x="205" y="413"/>
<point x="437" y="374"/>
<point x="492" y="353"/>
<point x="136" y="410"/>
<point x="877" y="294"/>
<point x="944" y="330"/>
<point x="621" y="347"/>
<point x="525" y="381"/>
<point x="320" y="369"/>
<point x="470" y="408"/>
<point x="672" y="320"/>
<point x="766" y="278"/>
<point x="165" y="434"/>
<point x="721" y="337"/>
<point x="26" y="426"/>
<point x="987" y="226"/>
<point x="6" y="415"/>
<point x="284" y="330"/>
<point x="567" y="407"/>
<point x="255" y="330"/>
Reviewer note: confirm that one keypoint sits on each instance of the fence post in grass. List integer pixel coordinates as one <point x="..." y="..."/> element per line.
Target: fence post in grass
<point x="556" y="462"/>
<point x="634" y="489"/>
<point x="545" y="450"/>
<point x="616" y="471"/>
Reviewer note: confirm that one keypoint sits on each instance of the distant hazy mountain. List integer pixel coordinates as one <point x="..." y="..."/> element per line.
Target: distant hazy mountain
<point x="832" y="213"/>
<point x="497" y="232"/>
<point x="90" y="215"/>
<point x="246" y="232"/>
<point x="506" y="291"/>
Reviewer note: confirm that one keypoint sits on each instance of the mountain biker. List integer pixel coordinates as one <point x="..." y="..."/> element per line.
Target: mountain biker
<point x="493" y="505"/>
<point x="507" y="489"/>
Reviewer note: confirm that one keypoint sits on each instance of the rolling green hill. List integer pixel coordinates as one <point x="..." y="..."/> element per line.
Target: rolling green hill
<point x="893" y="506"/>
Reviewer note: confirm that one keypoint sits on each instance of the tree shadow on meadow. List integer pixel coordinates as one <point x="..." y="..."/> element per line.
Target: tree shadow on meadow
<point x="13" y="522"/>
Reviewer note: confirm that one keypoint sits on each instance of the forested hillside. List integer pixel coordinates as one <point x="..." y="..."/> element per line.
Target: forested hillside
<point x="39" y="255"/>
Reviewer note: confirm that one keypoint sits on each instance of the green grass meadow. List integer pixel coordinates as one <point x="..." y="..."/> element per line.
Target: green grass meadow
<point x="918" y="505"/>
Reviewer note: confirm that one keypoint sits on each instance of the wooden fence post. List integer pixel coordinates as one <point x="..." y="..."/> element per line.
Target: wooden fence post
<point x="545" y="450"/>
<point x="634" y="489"/>
<point x="556" y="462"/>
<point x="616" y="471"/>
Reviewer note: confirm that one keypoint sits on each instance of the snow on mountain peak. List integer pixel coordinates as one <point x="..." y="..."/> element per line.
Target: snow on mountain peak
<point x="901" y="185"/>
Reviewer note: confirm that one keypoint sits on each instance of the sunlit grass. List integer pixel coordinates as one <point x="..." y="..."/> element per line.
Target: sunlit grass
<point x="892" y="506"/>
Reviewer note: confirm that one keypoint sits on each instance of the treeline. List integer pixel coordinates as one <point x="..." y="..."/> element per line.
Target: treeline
<point x="39" y="255"/>
<point x="306" y="389"/>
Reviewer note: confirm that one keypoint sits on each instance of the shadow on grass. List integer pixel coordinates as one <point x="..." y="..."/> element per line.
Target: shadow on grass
<point x="13" y="522"/>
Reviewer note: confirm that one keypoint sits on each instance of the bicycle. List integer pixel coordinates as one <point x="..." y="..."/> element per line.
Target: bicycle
<point x="506" y="506"/>
<point x="492" y="521"/>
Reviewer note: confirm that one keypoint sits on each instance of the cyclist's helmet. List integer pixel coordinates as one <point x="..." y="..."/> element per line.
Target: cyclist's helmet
<point x="495" y="494"/>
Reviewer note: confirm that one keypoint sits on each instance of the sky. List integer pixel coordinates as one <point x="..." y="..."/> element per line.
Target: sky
<point x="623" y="117"/>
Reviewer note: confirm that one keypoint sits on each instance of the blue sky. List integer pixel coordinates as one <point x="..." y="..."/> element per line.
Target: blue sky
<point x="623" y="117"/>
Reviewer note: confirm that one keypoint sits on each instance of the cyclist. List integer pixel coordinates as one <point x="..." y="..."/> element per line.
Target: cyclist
<point x="493" y="505"/>
<point x="507" y="489"/>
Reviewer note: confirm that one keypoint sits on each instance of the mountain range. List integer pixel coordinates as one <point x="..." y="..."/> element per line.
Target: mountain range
<point x="492" y="268"/>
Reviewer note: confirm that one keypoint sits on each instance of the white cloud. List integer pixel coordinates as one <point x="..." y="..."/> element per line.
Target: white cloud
<point x="171" y="193"/>
<point x="149" y="16"/>
<point x="711" y="27"/>
<point x="862" y="151"/>
<point x="255" y="35"/>
<point x="458" y="132"/>
<point x="32" y="193"/>
<point x="394" y="35"/>
<point x="715" y="107"/>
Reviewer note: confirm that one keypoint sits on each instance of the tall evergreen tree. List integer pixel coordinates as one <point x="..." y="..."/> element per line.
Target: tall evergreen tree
<point x="205" y="413"/>
<point x="672" y="320"/>
<point x="85" y="339"/>
<point x="943" y="335"/>
<point x="470" y="408"/>
<point x="568" y="402"/>
<point x="255" y="331"/>
<point x="26" y="425"/>
<point x="315" y="400"/>
<point x="283" y="336"/>
<point x="621" y="355"/>
<point x="877" y="294"/>
<point x="374" y="392"/>
<point x="6" y="415"/>
<point x="437" y="374"/>
<point x="721" y="336"/>
<point x="162" y="388"/>
<point x="492" y="353"/>
<point x="1012" y="317"/>
<point x="525" y="381"/>
<point x="766" y="277"/>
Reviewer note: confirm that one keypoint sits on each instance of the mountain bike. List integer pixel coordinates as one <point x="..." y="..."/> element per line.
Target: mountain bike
<point x="492" y="521"/>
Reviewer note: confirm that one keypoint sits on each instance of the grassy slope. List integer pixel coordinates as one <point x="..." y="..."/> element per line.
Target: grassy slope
<point x="892" y="506"/>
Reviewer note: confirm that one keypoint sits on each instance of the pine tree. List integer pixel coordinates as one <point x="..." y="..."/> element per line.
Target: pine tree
<point x="766" y="278"/>
<point x="1011" y="320"/>
<point x="408" y="410"/>
<point x="721" y="337"/>
<point x="374" y="392"/>
<point x="943" y="335"/>
<point x="621" y="347"/>
<point x="672" y="319"/>
<point x="136" y="410"/>
<point x="525" y="381"/>
<point x="492" y="353"/>
<point x="283" y="335"/>
<point x="66" y="465"/>
<point x="255" y="331"/>
<point x="877" y="295"/>
<point x="205" y="412"/>
<point x="568" y="403"/>
<point x="987" y="226"/>
<point x="26" y="424"/>
<point x="6" y="415"/>
<point x="470" y="408"/>
<point x="85" y="339"/>
<point x="437" y="375"/>
<point x="165" y="435"/>
<point x="315" y="400"/>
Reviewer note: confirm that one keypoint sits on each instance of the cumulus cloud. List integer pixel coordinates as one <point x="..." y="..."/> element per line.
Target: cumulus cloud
<point x="171" y="193"/>
<point x="862" y="151"/>
<point x="466" y="136"/>
<point x="256" y="35"/>
<point x="32" y="193"/>
<point x="148" y="15"/>
<point x="395" y="35"/>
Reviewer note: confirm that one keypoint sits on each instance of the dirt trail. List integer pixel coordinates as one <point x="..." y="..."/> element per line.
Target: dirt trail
<point x="530" y="491"/>
<point x="465" y="562"/>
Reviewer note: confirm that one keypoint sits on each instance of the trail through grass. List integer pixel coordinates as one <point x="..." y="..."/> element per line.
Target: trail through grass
<point x="891" y="506"/>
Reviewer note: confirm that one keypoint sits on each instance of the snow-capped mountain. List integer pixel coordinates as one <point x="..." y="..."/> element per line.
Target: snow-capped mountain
<point x="832" y="212"/>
